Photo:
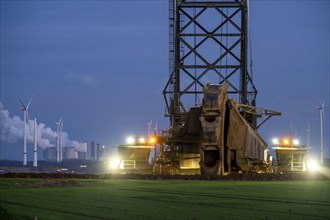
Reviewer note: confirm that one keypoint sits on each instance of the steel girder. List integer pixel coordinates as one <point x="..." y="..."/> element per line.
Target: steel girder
<point x="208" y="44"/>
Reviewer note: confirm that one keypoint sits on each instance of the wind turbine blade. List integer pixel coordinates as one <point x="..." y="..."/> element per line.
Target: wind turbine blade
<point x="24" y="108"/>
<point x="27" y="107"/>
<point x="323" y="111"/>
<point x="58" y="123"/>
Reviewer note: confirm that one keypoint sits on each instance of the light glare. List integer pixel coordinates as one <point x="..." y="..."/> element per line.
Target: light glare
<point x="313" y="165"/>
<point x="296" y="142"/>
<point x="286" y="141"/>
<point x="130" y="140"/>
<point x="275" y="141"/>
<point x="114" y="163"/>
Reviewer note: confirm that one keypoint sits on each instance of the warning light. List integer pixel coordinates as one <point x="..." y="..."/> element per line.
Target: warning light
<point x="286" y="141"/>
<point x="152" y="140"/>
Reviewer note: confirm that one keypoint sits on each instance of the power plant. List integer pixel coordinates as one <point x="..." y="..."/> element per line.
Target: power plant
<point x="69" y="153"/>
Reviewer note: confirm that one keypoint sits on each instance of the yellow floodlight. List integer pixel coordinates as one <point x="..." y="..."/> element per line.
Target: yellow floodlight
<point x="286" y="141"/>
<point x="152" y="140"/>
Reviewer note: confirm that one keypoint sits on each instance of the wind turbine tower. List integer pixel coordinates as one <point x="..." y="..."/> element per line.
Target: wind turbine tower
<point x="61" y="147"/>
<point x="321" y="109"/>
<point x="58" y="151"/>
<point x="308" y="130"/>
<point x="149" y="123"/>
<point x="25" y="110"/>
<point x="35" y="155"/>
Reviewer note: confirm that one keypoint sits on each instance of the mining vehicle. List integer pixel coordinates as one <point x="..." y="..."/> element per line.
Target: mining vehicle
<point x="133" y="157"/>
<point x="290" y="155"/>
<point x="215" y="139"/>
<point x="208" y="61"/>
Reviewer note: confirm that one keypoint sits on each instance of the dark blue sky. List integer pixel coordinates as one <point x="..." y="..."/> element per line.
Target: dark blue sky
<point x="102" y="66"/>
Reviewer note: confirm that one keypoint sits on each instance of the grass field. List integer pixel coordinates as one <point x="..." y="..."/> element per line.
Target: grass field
<point x="164" y="199"/>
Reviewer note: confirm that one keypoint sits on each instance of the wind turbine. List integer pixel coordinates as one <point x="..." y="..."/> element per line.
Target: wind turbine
<point x="58" y="152"/>
<point x="321" y="109"/>
<point x="149" y="128"/>
<point x="308" y="131"/>
<point x="61" y="147"/>
<point x="35" y="156"/>
<point x="156" y="128"/>
<point x="25" y="110"/>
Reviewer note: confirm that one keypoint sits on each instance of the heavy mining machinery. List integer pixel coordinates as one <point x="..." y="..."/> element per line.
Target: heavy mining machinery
<point x="215" y="139"/>
<point x="208" y="61"/>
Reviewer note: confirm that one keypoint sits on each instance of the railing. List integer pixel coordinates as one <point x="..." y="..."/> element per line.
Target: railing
<point x="128" y="164"/>
<point x="297" y="166"/>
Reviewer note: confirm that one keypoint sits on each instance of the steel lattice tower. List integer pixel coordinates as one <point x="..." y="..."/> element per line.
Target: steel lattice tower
<point x="208" y="44"/>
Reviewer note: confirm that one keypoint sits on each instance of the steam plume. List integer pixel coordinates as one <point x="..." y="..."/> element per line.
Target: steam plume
<point x="12" y="131"/>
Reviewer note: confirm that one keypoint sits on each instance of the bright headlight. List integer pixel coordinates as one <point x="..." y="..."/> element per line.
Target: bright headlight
<point x="142" y="140"/>
<point x="295" y="142"/>
<point x="130" y="140"/>
<point x="313" y="165"/>
<point x="114" y="163"/>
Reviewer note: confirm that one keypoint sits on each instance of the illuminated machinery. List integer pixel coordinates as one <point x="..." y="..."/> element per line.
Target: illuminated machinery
<point x="133" y="157"/>
<point x="291" y="156"/>
<point x="210" y="133"/>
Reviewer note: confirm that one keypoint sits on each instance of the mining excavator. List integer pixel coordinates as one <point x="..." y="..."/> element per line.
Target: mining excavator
<point x="208" y="57"/>
<point x="215" y="139"/>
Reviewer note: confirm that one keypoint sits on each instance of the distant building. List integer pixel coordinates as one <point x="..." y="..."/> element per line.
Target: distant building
<point x="83" y="147"/>
<point x="82" y="156"/>
<point x="93" y="151"/>
<point x="49" y="154"/>
<point x="98" y="152"/>
<point x="70" y="153"/>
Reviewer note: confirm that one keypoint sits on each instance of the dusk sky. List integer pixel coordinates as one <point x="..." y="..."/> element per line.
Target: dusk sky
<point x="102" y="67"/>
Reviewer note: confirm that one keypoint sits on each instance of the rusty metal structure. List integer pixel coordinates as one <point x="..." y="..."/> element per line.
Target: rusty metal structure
<point x="210" y="96"/>
<point x="208" y="44"/>
<point x="210" y="132"/>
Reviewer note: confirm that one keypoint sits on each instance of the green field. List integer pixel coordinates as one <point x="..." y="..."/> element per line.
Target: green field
<point x="164" y="199"/>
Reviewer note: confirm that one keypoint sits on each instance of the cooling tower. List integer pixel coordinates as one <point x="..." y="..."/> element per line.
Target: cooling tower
<point x="70" y="153"/>
<point x="49" y="154"/>
<point x="83" y="147"/>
